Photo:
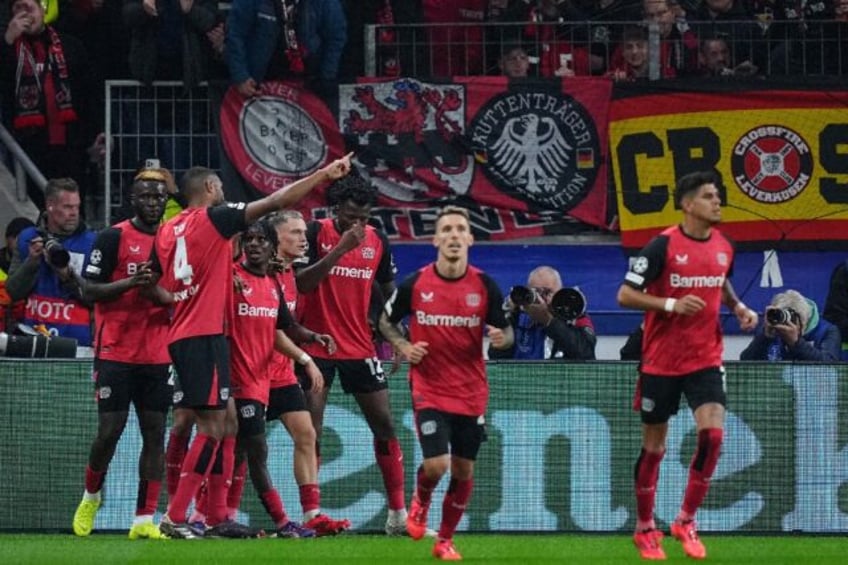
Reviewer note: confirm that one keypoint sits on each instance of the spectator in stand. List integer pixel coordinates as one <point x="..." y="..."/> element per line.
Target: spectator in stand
<point x="131" y="363"/>
<point x="322" y="31"/>
<point x="48" y="262"/>
<point x="10" y="313"/>
<point x="608" y="20"/>
<point x="458" y="49"/>
<point x="515" y="62"/>
<point x="447" y="378"/>
<point x="49" y="96"/>
<point x="556" y="34"/>
<point x="346" y="258"/>
<point x="633" y="55"/>
<point x="169" y="39"/>
<point x="836" y="304"/>
<point x="793" y="331"/>
<point x="539" y="334"/>
<point x="714" y="60"/>
<point x="678" y="43"/>
<point x="262" y="44"/>
<point x="733" y="20"/>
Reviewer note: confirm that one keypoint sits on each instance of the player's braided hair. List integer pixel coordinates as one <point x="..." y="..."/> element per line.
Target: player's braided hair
<point x="354" y="188"/>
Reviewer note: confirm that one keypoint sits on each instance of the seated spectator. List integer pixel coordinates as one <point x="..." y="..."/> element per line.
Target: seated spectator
<point x="793" y="331"/>
<point x="836" y="304"/>
<point x="732" y="19"/>
<point x="714" y="60"/>
<point x="48" y="262"/>
<point x="633" y="55"/>
<point x="169" y="39"/>
<point x="515" y="62"/>
<point x="539" y="334"/>
<point x="10" y="314"/>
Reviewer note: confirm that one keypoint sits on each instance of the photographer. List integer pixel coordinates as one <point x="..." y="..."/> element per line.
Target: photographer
<point x="793" y="331"/>
<point x="47" y="262"/>
<point x="539" y="333"/>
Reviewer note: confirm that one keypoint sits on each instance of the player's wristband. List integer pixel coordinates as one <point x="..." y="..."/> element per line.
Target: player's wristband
<point x="669" y="304"/>
<point x="304" y="358"/>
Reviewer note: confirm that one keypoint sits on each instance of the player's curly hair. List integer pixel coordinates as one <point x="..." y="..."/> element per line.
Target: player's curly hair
<point x="354" y="188"/>
<point x="265" y="226"/>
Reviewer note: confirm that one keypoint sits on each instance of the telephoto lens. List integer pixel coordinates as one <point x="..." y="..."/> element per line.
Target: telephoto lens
<point x="568" y="304"/>
<point x="522" y="295"/>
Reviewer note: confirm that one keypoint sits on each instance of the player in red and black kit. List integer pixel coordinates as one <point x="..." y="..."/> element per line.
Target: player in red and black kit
<point x="130" y="360"/>
<point x="449" y="304"/>
<point x="346" y="258"/>
<point x="193" y="254"/>
<point x="680" y="279"/>
<point x="260" y="311"/>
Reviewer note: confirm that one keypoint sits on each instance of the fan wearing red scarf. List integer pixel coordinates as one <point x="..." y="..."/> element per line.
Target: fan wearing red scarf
<point x="45" y="76"/>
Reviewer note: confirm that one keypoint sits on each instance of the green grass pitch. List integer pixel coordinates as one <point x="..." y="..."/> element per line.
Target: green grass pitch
<point x="105" y="549"/>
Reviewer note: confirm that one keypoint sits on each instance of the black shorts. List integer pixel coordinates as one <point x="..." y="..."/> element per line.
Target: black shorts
<point x="251" y="417"/>
<point x="203" y="372"/>
<point x="116" y="384"/>
<point x="442" y="432"/>
<point x="659" y="397"/>
<point x="285" y="399"/>
<point x="356" y="375"/>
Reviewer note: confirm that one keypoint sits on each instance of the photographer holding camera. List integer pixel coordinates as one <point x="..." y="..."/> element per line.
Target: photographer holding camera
<point x="793" y="331"/>
<point x="48" y="261"/>
<point x="549" y="321"/>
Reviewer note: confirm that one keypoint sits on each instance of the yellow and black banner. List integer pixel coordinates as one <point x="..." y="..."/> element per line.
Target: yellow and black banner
<point x="782" y="156"/>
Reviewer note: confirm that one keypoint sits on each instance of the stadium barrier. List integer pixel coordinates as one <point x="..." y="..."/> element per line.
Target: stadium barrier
<point x="562" y="441"/>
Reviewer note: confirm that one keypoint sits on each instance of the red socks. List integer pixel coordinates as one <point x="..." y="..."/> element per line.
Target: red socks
<point x="148" y="497"/>
<point x="220" y="479"/>
<point x="94" y="480"/>
<point x="174" y="455"/>
<point x="701" y="470"/>
<point x="196" y="466"/>
<point x="456" y="499"/>
<point x="310" y="497"/>
<point x="424" y="487"/>
<point x="274" y="506"/>
<point x="647" y="473"/>
<point x="390" y="460"/>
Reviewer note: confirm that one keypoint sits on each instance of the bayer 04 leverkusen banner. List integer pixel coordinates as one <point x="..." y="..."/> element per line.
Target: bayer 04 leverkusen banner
<point x="526" y="158"/>
<point x="781" y="156"/>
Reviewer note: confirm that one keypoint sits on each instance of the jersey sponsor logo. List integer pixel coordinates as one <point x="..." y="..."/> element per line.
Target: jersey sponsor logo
<point x="352" y="272"/>
<point x="676" y="280"/>
<point x="96" y="256"/>
<point x="135" y="249"/>
<point x="256" y="311"/>
<point x="541" y="147"/>
<point x="473" y="299"/>
<point x="132" y="268"/>
<point x="325" y="247"/>
<point x="236" y="205"/>
<point x="427" y="296"/>
<point x="681" y="259"/>
<point x="771" y="164"/>
<point x="92" y="270"/>
<point x="446" y="320"/>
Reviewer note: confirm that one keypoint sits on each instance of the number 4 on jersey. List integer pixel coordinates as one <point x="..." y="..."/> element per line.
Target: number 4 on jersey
<point x="182" y="268"/>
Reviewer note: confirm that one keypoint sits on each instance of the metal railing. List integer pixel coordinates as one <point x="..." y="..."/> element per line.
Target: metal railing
<point x="797" y="48"/>
<point x="23" y="166"/>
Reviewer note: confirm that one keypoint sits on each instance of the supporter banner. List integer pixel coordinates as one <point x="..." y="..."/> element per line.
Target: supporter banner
<point x="782" y="156"/>
<point x="526" y="158"/>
